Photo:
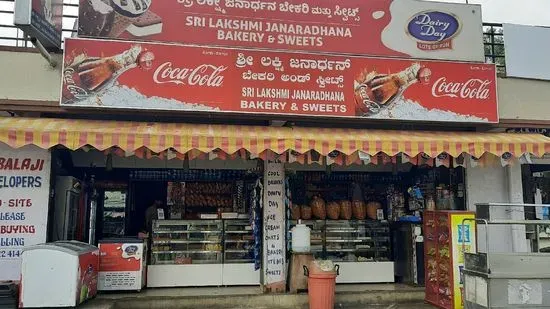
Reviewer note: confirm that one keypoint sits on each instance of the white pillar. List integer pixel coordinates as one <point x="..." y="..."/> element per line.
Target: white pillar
<point x="497" y="184"/>
<point x="487" y="185"/>
<point x="515" y="195"/>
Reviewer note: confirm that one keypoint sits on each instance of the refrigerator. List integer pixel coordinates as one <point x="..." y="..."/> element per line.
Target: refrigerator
<point x="70" y="211"/>
<point x="58" y="274"/>
<point x="122" y="264"/>
<point x="112" y="217"/>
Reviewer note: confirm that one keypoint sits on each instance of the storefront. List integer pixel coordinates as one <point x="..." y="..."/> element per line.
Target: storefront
<point x="214" y="204"/>
<point x="223" y="203"/>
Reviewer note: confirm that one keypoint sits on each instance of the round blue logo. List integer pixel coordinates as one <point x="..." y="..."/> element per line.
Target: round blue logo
<point x="433" y="26"/>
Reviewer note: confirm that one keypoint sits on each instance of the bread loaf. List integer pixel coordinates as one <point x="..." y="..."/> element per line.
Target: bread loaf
<point x="359" y="210"/>
<point x="333" y="210"/>
<point x="305" y="212"/>
<point x="372" y="208"/>
<point x="318" y="208"/>
<point x="345" y="210"/>
<point x="295" y="212"/>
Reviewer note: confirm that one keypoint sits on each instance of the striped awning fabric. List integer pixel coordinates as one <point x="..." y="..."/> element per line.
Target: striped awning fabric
<point x="130" y="136"/>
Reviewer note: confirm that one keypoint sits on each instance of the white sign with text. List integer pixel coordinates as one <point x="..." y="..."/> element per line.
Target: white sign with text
<point x="24" y="187"/>
<point x="274" y="223"/>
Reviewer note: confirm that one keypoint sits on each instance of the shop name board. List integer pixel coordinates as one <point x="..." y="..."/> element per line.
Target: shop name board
<point x="400" y="28"/>
<point x="153" y="76"/>
<point x="24" y="187"/>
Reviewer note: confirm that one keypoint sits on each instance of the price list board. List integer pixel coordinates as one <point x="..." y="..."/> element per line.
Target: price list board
<point x="274" y="220"/>
<point x="24" y="183"/>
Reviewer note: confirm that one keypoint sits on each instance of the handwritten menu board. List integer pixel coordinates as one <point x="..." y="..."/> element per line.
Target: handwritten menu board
<point x="24" y="186"/>
<point x="274" y="220"/>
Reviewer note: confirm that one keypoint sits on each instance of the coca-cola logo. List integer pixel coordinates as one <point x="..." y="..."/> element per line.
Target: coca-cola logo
<point x="71" y="85"/>
<point x="202" y="75"/>
<point x="433" y="26"/>
<point x="473" y="88"/>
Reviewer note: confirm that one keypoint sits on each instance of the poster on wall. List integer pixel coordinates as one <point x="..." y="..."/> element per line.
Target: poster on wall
<point x="24" y="196"/>
<point x="127" y="75"/>
<point x="399" y="28"/>
<point x="274" y="224"/>
<point x="464" y="242"/>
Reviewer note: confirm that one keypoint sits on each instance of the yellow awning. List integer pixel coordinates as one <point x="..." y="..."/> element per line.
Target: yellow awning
<point x="130" y="136"/>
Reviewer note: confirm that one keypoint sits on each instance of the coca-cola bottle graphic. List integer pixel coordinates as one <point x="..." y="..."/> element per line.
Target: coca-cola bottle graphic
<point x="87" y="76"/>
<point x="375" y="92"/>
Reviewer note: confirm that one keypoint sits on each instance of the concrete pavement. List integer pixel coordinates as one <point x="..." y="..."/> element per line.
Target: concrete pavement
<point x="388" y="296"/>
<point x="98" y="305"/>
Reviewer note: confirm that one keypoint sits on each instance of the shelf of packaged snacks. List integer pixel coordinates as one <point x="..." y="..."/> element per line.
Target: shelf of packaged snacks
<point x="442" y="258"/>
<point x="173" y="241"/>
<point x="187" y="232"/>
<point x="230" y="241"/>
<point x="186" y="251"/>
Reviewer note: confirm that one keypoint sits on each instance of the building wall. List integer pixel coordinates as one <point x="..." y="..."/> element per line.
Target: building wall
<point x="523" y="99"/>
<point x="30" y="77"/>
<point x="496" y="184"/>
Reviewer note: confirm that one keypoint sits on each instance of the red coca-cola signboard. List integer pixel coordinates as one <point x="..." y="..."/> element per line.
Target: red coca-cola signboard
<point x="117" y="74"/>
<point x="401" y="28"/>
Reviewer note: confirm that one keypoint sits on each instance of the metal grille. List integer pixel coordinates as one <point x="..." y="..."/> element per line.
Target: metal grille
<point x="12" y="36"/>
<point x="493" y="41"/>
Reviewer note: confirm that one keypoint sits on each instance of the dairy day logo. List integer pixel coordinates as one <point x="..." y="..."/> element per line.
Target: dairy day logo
<point x="433" y="30"/>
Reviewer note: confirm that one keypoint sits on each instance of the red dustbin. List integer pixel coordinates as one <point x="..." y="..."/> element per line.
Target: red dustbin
<point x="321" y="285"/>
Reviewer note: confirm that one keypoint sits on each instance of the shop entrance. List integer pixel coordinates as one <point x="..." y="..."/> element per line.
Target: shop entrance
<point x="143" y="195"/>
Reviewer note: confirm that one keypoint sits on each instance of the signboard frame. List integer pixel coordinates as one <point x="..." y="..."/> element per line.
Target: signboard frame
<point x="444" y="31"/>
<point x="41" y="20"/>
<point x="222" y="80"/>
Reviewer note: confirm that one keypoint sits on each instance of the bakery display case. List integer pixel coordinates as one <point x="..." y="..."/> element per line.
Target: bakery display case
<point x="186" y="252"/>
<point x="362" y="248"/>
<point x="445" y="235"/>
<point x="238" y="242"/>
<point x="202" y="253"/>
<point x="238" y="254"/>
<point x="357" y="241"/>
